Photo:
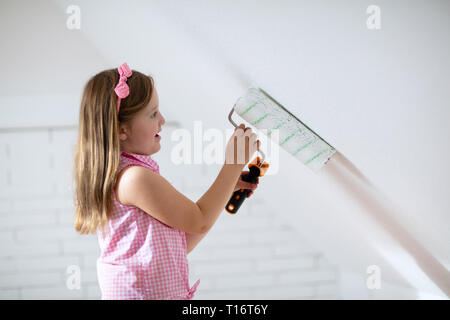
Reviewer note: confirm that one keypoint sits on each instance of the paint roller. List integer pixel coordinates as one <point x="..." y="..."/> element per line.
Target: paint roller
<point x="257" y="107"/>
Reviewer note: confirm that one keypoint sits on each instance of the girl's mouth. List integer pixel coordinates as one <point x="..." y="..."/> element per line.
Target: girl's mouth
<point x="157" y="136"/>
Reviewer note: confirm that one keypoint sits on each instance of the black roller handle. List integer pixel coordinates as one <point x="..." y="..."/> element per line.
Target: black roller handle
<point x="237" y="199"/>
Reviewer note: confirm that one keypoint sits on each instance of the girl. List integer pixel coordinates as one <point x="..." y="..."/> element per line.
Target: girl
<point x="145" y="227"/>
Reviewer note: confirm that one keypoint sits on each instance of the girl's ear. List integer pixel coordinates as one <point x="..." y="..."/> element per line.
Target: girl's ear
<point x="123" y="132"/>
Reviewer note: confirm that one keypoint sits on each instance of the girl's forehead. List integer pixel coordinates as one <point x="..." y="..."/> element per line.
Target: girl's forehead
<point x="154" y="101"/>
<point x="155" y="96"/>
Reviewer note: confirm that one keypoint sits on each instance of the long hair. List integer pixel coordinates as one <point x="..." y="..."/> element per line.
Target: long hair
<point x="97" y="152"/>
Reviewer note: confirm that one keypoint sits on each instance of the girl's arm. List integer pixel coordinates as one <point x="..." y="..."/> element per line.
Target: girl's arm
<point x="214" y="200"/>
<point x="192" y="239"/>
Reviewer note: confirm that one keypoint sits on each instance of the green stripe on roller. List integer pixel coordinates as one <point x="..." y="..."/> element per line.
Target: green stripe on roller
<point x="260" y="119"/>
<point x="246" y="110"/>
<point x="315" y="156"/>
<point x="270" y="130"/>
<point x="287" y="138"/>
<point x="303" y="147"/>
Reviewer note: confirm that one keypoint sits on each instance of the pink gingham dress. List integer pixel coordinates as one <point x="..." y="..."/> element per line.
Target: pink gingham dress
<point x="141" y="258"/>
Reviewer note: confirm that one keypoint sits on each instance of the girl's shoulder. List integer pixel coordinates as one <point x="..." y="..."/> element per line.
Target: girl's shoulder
<point x="121" y="193"/>
<point x="130" y="166"/>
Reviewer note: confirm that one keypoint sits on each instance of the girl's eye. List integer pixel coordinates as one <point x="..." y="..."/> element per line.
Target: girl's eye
<point x="154" y="114"/>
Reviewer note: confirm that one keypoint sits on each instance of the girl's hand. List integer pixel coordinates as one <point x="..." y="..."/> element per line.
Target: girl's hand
<point x="241" y="184"/>
<point x="245" y="148"/>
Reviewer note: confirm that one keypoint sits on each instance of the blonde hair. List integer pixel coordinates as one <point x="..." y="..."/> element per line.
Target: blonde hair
<point x="97" y="152"/>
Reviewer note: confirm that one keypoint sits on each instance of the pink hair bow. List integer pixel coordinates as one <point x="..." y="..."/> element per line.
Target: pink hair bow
<point x="122" y="90"/>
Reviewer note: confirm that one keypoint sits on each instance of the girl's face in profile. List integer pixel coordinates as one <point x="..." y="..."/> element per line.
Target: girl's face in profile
<point x="141" y="136"/>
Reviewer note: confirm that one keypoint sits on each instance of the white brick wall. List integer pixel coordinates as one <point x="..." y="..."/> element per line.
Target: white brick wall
<point x="250" y="255"/>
